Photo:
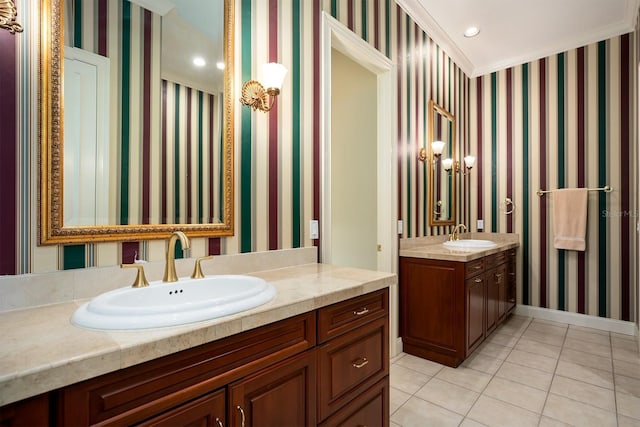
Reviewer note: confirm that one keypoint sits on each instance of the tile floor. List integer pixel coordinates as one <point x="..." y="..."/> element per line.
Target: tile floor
<point x="529" y="372"/>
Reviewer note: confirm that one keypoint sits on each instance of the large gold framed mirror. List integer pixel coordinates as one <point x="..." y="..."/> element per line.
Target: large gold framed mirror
<point x="443" y="166"/>
<point x="136" y="141"/>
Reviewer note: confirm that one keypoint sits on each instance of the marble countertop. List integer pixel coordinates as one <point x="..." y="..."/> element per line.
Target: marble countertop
<point x="42" y="351"/>
<point x="431" y="247"/>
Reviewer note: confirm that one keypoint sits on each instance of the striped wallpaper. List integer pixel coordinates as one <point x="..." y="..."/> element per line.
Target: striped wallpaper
<point x="526" y="130"/>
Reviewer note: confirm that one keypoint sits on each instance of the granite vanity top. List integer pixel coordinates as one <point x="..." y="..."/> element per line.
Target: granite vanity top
<point x="431" y="247"/>
<point x="42" y="351"/>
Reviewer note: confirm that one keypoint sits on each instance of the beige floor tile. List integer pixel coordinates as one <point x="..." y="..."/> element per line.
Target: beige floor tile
<point x="547" y="327"/>
<point x="601" y="350"/>
<point x="628" y="405"/>
<point x="483" y="363"/>
<point x="397" y="398"/>
<point x="584" y="373"/>
<point x="396" y="358"/>
<point x="503" y="339"/>
<point x="467" y="422"/>
<point x="537" y="347"/>
<point x="407" y="380"/>
<point x="631" y="345"/>
<point x="629" y="369"/>
<point x="628" y="385"/>
<point x="465" y="377"/>
<point x="589" y="336"/>
<point x="624" y="337"/>
<point x="424" y="366"/>
<point x="550" y="422"/>
<point x="544" y="363"/>
<point x="392" y="424"/>
<point x="625" y="355"/>
<point x="496" y="413"/>
<point x="449" y="396"/>
<point x="577" y="413"/>
<point x="516" y="394"/>
<point x="588" y="330"/>
<point x="514" y="327"/>
<point x="543" y="337"/>
<point x="420" y="413"/>
<point x="494" y="350"/>
<point x="525" y="375"/>
<point x="586" y="359"/>
<point x="627" y="422"/>
<point x="590" y="394"/>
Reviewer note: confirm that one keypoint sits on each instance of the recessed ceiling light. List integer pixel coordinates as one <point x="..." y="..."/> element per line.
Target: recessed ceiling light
<point x="472" y="32"/>
<point x="199" y="61"/>
<point x="220" y="65"/>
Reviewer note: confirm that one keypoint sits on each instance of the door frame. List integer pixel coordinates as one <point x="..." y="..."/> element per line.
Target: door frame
<point x="337" y="36"/>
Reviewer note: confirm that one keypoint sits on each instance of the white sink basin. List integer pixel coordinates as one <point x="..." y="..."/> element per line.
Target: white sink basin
<point x="470" y="244"/>
<point x="169" y="304"/>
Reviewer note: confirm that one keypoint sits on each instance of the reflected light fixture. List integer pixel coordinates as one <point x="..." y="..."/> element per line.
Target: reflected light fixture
<point x="436" y="149"/>
<point x="220" y="65"/>
<point x="255" y="95"/>
<point x="199" y="61"/>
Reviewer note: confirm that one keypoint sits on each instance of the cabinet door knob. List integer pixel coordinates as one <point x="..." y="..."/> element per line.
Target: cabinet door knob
<point x="478" y="280"/>
<point x="239" y="408"/>
<point x="359" y="363"/>
<point x="219" y="423"/>
<point x="361" y="312"/>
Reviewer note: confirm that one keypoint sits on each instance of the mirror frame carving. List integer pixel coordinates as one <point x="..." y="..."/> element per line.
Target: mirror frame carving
<point x="50" y="197"/>
<point x="433" y="110"/>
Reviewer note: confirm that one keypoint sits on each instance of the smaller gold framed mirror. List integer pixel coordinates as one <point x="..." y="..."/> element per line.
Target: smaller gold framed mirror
<point x="442" y="166"/>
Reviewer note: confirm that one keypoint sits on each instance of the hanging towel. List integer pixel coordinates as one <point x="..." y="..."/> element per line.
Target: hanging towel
<point x="570" y="218"/>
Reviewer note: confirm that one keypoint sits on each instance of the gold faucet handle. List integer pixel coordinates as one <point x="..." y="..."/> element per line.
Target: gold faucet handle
<point x="197" y="269"/>
<point x="141" y="279"/>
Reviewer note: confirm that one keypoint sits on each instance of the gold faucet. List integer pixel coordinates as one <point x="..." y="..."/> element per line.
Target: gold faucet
<point x="170" y="265"/>
<point x="455" y="234"/>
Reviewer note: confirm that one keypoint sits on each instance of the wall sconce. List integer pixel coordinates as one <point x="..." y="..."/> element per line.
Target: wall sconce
<point x="255" y="95"/>
<point x="447" y="164"/>
<point x="469" y="162"/>
<point x="8" y="14"/>
<point x="436" y="148"/>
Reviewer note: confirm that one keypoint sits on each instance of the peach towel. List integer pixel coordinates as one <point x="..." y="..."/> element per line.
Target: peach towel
<point x="570" y="218"/>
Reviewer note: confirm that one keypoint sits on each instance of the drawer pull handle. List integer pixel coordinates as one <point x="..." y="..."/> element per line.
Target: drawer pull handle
<point x="361" y="312"/>
<point x="219" y="422"/>
<point x="478" y="280"/>
<point x="239" y="408"/>
<point x="359" y="363"/>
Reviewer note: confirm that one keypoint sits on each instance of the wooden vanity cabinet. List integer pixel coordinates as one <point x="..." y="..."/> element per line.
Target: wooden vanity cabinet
<point x="328" y="366"/>
<point x="448" y="308"/>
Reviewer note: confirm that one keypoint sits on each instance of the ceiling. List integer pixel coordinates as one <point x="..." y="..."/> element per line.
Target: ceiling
<point x="513" y="32"/>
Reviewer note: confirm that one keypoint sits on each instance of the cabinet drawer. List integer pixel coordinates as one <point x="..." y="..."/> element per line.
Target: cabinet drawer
<point x="371" y="408"/>
<point x="350" y="364"/>
<point x="495" y="259"/>
<point x="345" y="316"/>
<point x="208" y="410"/>
<point x="473" y="268"/>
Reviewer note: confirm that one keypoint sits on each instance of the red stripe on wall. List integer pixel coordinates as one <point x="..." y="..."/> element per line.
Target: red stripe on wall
<point x="479" y="152"/>
<point x="188" y="197"/>
<point x="400" y="61"/>
<point x="625" y="173"/>
<point x="103" y="24"/>
<point x="8" y="174"/>
<point x="509" y="145"/>
<point x="214" y="246"/>
<point x="350" y="14"/>
<point x="146" y="125"/>
<point x="273" y="135"/>
<point x="211" y="142"/>
<point x="543" y="182"/>
<point x="582" y="265"/>
<point x="130" y="252"/>
<point x="376" y="25"/>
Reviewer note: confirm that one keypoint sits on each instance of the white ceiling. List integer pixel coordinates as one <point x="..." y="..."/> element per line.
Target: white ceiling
<point x="513" y="32"/>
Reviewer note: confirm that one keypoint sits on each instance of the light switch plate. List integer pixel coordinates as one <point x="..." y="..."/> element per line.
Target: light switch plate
<point x="480" y="224"/>
<point x="400" y="226"/>
<point x="313" y="229"/>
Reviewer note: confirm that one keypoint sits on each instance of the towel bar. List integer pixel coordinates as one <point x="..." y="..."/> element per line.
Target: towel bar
<point x="606" y="189"/>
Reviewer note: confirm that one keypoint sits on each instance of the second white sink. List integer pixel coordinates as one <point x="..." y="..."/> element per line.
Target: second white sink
<point x="470" y="244"/>
<point x="168" y="304"/>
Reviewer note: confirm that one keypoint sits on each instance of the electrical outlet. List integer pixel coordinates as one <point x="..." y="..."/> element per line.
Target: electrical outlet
<point x="480" y="224"/>
<point x="313" y="229"/>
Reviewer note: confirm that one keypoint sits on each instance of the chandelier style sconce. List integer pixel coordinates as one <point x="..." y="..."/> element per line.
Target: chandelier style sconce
<point x="262" y="96"/>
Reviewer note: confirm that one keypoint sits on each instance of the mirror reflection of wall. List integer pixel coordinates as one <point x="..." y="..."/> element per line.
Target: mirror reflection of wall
<point x="143" y="133"/>
<point x="442" y="166"/>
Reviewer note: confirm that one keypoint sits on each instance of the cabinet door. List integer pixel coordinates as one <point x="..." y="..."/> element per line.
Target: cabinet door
<point x="30" y="412"/>
<point x="500" y="277"/>
<point x="370" y="408"/>
<point x="493" y="295"/>
<point x="281" y="395"/>
<point x="207" y="411"/>
<point x="510" y="298"/>
<point x="475" y="306"/>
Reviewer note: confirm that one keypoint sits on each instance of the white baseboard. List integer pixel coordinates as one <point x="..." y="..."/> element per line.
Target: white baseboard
<point x="604" y="324"/>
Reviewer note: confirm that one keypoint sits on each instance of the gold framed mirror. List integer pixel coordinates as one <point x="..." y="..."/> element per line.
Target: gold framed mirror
<point x="115" y="177"/>
<point x="443" y="166"/>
